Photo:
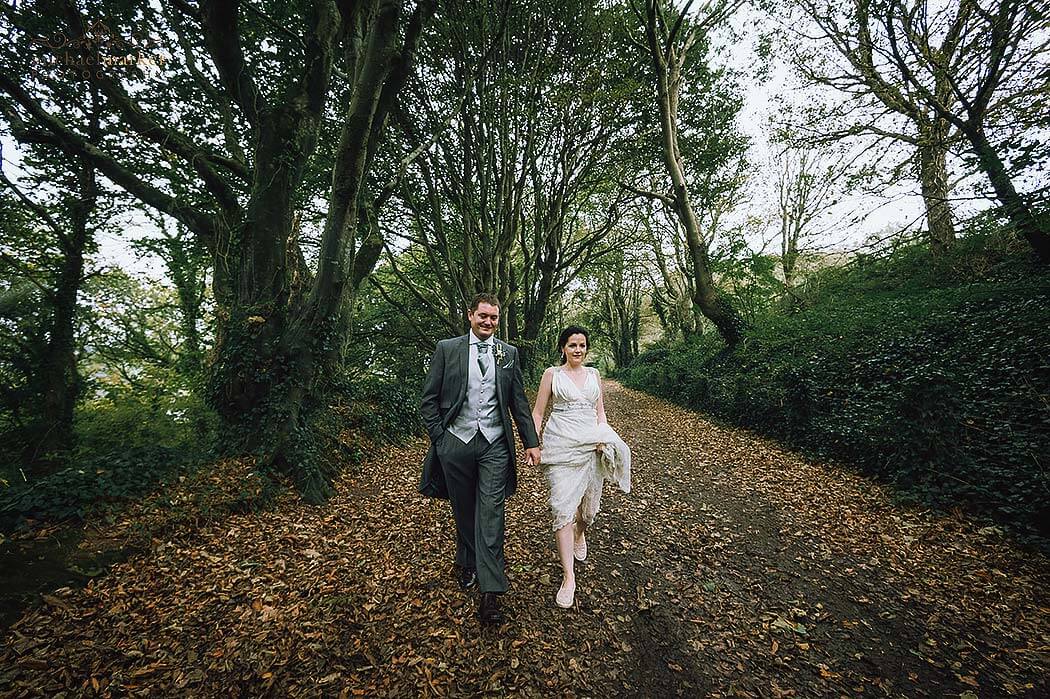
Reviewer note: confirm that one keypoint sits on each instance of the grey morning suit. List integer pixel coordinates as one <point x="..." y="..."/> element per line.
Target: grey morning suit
<point x="471" y="458"/>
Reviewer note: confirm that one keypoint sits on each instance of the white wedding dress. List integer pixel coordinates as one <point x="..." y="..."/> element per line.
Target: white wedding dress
<point x="575" y="470"/>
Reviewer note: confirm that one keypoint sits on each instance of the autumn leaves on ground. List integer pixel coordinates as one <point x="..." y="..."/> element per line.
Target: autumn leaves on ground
<point x="734" y="568"/>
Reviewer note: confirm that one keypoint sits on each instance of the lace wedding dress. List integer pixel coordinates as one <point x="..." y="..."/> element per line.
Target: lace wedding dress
<point x="575" y="470"/>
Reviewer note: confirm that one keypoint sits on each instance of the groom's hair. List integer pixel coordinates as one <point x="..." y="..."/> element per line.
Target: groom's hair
<point x="481" y="298"/>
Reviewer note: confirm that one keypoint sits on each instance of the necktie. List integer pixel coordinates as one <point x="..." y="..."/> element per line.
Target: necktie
<point x="483" y="357"/>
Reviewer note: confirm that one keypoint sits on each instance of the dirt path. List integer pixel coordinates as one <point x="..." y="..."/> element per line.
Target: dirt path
<point x="734" y="568"/>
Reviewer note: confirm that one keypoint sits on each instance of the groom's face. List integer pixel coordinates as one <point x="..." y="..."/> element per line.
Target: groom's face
<point x="484" y="320"/>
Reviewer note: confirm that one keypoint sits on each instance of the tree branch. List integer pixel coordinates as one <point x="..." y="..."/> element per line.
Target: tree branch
<point x="222" y="36"/>
<point x="199" y="223"/>
<point x="666" y="199"/>
<point x="38" y="209"/>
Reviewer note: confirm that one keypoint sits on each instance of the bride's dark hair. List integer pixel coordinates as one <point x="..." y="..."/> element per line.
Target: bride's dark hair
<point x="566" y="334"/>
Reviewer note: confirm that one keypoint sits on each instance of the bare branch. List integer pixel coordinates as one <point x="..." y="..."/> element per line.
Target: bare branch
<point x="199" y="223"/>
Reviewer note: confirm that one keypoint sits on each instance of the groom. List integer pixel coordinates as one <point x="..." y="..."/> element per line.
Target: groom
<point x="473" y="381"/>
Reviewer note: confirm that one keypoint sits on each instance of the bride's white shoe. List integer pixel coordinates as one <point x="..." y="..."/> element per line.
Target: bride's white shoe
<point x="566" y="596"/>
<point x="579" y="548"/>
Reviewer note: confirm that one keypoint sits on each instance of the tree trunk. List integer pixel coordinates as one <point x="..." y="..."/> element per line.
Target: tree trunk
<point x="1017" y="210"/>
<point x="622" y="311"/>
<point x="60" y="381"/>
<point x="705" y="296"/>
<point x="185" y="265"/>
<point x="536" y="313"/>
<point x="933" y="179"/>
<point x="788" y="259"/>
<point x="684" y="310"/>
<point x="278" y="351"/>
<point x="528" y="341"/>
<point x="789" y="263"/>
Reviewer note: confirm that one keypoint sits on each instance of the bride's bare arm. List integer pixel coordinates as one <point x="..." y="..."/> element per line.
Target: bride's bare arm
<point x="543" y="396"/>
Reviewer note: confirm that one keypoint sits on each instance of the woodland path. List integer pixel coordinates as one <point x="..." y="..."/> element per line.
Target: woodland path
<point x="734" y="568"/>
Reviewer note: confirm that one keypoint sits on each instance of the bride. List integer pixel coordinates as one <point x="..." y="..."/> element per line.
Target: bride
<point x="579" y="450"/>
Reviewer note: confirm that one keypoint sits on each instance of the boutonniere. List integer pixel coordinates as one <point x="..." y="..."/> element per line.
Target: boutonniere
<point x="500" y="355"/>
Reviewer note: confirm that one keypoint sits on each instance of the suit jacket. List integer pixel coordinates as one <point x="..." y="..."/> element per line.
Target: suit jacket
<point x="445" y="391"/>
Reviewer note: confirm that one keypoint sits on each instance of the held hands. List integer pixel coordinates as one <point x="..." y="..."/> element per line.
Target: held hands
<point x="599" y="446"/>
<point x="532" y="456"/>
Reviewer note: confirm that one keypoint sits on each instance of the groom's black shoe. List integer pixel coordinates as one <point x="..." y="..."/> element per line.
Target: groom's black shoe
<point x="488" y="609"/>
<point x="468" y="577"/>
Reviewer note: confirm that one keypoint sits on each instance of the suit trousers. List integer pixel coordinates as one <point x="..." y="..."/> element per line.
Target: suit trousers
<point x="476" y="474"/>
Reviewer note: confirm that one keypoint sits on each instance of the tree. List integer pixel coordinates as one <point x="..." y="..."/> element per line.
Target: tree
<point x="670" y="42"/>
<point x="515" y="196"/>
<point x="878" y="103"/>
<point x="808" y="185"/>
<point x="186" y="262"/>
<point x="259" y="85"/>
<point x="618" y="315"/>
<point x="672" y="292"/>
<point x="66" y="219"/>
<point x="999" y="67"/>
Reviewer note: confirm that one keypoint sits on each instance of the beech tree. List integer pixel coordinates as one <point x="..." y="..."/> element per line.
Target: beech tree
<point x="52" y="216"/>
<point x="845" y="57"/>
<point x="517" y="194"/>
<point x="231" y="140"/>
<point x="672" y="39"/>
<point x="969" y="71"/>
<point x="998" y="69"/>
<point x="616" y="306"/>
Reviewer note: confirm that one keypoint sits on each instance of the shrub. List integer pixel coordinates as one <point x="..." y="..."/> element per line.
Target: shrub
<point x="131" y="438"/>
<point x="94" y="484"/>
<point x="939" y="388"/>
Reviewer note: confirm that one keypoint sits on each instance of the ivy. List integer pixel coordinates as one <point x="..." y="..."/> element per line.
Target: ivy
<point x="101" y="483"/>
<point x="940" y="390"/>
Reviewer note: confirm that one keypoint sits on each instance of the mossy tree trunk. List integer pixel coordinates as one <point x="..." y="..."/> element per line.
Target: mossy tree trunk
<point x="280" y="324"/>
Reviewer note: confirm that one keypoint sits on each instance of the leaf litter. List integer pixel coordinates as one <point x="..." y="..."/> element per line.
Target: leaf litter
<point x="735" y="568"/>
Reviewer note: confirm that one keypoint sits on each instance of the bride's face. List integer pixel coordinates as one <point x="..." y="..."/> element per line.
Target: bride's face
<point x="575" y="349"/>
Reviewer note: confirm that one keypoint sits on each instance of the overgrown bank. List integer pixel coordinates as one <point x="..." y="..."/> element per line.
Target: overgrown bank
<point x="936" y="379"/>
<point x="105" y="504"/>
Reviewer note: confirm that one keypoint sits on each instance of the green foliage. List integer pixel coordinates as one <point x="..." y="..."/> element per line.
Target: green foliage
<point x="140" y="419"/>
<point x="23" y="316"/>
<point x="748" y="280"/>
<point x="387" y="410"/>
<point x="162" y="410"/>
<point x="95" y="484"/>
<point x="131" y="440"/>
<point x="30" y="267"/>
<point x="939" y="388"/>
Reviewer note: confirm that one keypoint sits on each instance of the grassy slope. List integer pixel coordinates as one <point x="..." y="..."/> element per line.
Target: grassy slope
<point x="936" y="379"/>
